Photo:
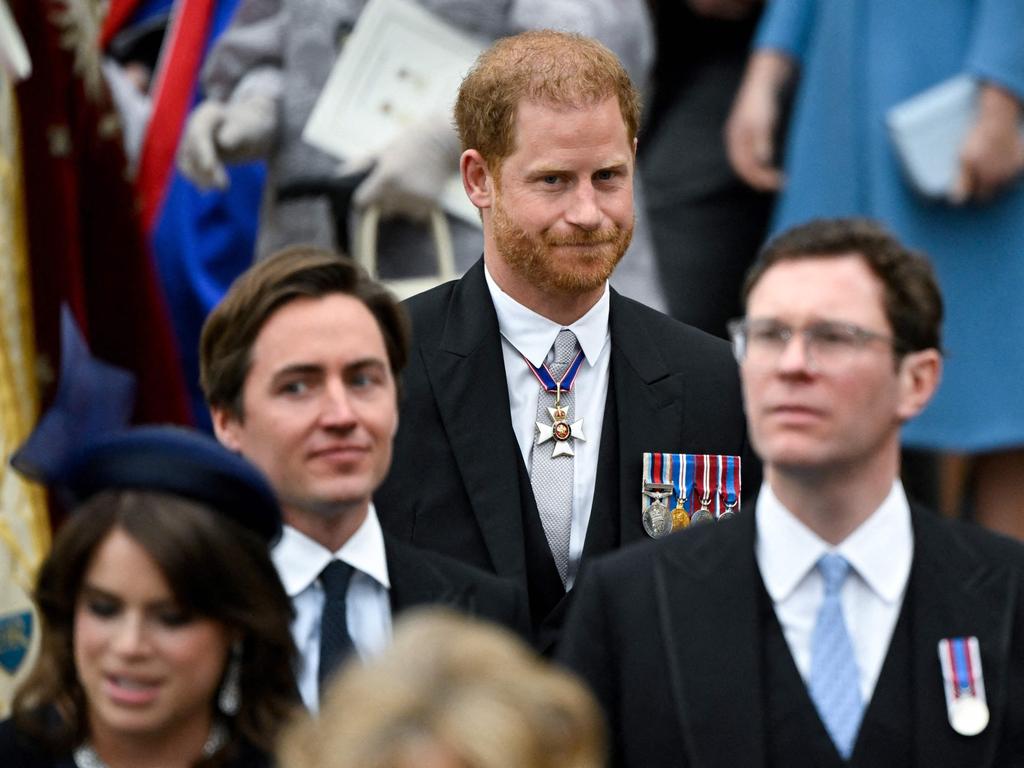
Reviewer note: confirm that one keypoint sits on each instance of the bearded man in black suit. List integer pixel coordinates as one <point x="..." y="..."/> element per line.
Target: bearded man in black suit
<point x="533" y="389"/>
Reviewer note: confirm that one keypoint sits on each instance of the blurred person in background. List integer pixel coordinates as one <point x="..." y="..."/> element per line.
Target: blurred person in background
<point x="852" y="62"/>
<point x="706" y="223"/>
<point x="200" y="240"/>
<point x="165" y="628"/>
<point x="268" y="69"/>
<point x="450" y="693"/>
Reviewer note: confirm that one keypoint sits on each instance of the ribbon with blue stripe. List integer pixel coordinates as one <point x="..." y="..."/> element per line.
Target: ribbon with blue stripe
<point x="563" y="384"/>
<point x="960" y="658"/>
<point x="731" y="497"/>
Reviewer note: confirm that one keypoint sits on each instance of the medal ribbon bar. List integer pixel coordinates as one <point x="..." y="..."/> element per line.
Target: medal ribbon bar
<point x="964" y="685"/>
<point x="562" y="385"/>
<point x="732" y="482"/>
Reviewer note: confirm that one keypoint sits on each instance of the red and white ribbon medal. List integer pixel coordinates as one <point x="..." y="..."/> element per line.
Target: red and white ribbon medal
<point x="657" y="491"/>
<point x="964" y="685"/>
<point x="706" y="487"/>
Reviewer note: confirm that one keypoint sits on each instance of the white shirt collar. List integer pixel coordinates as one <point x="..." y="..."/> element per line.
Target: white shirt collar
<point x="880" y="549"/>
<point x="533" y="335"/>
<point x="299" y="559"/>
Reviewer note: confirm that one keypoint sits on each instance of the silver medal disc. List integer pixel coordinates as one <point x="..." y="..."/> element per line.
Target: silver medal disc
<point x="968" y="715"/>
<point x="702" y="515"/>
<point x="657" y="520"/>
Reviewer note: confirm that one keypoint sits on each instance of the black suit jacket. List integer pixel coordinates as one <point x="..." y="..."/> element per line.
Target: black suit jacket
<point x="420" y="578"/>
<point x="455" y="481"/>
<point x="667" y="636"/>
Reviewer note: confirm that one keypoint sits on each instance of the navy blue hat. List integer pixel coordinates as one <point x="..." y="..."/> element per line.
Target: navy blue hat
<point x="179" y="462"/>
<point x="93" y="398"/>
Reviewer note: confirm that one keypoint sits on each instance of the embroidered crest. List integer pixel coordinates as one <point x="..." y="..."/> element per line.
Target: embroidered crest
<point x="15" y="639"/>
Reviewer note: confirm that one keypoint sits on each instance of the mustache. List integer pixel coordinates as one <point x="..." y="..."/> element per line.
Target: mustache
<point x="597" y="237"/>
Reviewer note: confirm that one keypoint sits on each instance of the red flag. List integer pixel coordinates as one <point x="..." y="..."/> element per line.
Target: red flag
<point x="84" y="236"/>
<point x="176" y="76"/>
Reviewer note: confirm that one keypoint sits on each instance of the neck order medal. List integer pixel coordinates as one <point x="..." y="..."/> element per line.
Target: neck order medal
<point x="562" y="430"/>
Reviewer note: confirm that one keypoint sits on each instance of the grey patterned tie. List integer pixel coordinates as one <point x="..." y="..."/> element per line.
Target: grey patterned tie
<point x="552" y="476"/>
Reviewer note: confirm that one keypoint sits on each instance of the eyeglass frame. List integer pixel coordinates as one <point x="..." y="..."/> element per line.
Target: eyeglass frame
<point x="738" y="333"/>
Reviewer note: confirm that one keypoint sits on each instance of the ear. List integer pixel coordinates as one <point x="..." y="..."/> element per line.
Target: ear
<point x="919" y="375"/>
<point x="225" y="427"/>
<point x="477" y="179"/>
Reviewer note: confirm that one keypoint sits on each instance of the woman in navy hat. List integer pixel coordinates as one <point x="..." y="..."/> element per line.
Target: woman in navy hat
<point x="166" y="635"/>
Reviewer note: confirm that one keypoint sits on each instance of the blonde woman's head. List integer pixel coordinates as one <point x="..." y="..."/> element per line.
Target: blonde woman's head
<point x="451" y="692"/>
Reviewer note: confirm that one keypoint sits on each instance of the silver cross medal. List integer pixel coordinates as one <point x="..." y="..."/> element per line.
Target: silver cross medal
<point x="560" y="430"/>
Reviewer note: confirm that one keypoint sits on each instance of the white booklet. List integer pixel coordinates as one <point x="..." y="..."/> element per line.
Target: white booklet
<point x="928" y="130"/>
<point x="400" y="64"/>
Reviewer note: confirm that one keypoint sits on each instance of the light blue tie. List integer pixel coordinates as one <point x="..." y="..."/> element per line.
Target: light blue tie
<point x="835" y="682"/>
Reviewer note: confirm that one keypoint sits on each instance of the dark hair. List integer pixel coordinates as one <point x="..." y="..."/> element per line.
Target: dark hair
<point x="216" y="569"/>
<point x="912" y="300"/>
<point x="304" y="271"/>
<point x="550" y="67"/>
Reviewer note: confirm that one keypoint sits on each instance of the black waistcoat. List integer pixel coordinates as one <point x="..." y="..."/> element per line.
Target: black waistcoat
<point x="547" y="594"/>
<point x="795" y="735"/>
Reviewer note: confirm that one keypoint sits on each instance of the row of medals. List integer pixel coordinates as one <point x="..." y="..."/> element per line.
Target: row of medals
<point x="657" y="521"/>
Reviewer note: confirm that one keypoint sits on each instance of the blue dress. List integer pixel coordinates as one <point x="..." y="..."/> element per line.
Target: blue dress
<point x="858" y="58"/>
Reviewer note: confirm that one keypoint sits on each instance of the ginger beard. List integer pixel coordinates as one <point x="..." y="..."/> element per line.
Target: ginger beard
<point x="594" y="254"/>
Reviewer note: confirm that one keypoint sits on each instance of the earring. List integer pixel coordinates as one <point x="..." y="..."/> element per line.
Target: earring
<point x="229" y="697"/>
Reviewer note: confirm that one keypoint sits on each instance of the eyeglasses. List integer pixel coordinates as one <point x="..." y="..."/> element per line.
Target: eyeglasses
<point x="828" y="344"/>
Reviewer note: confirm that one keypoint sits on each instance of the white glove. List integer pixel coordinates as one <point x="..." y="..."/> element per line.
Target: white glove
<point x="217" y="133"/>
<point x="133" y="106"/>
<point x="410" y="173"/>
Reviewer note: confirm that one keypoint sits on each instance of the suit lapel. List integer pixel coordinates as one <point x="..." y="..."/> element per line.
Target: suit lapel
<point x="648" y="408"/>
<point x="956" y="593"/>
<point x="603" y="529"/>
<point x="467" y="374"/>
<point x="708" y="613"/>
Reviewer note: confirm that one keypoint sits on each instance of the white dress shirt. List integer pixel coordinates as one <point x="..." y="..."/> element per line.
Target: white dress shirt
<point x="524" y="333"/>
<point x="299" y="561"/>
<point x="879" y="551"/>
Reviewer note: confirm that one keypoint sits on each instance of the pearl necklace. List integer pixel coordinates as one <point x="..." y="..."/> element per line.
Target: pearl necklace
<point x="85" y="756"/>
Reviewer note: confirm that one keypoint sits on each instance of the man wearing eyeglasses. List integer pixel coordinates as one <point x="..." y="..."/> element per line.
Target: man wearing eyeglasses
<point x="838" y="624"/>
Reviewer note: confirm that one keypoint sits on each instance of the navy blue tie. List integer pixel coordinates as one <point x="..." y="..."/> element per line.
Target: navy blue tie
<point x="335" y="640"/>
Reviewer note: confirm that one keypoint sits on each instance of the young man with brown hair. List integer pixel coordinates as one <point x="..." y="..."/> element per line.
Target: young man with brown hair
<point x="300" y="364"/>
<point x="834" y="624"/>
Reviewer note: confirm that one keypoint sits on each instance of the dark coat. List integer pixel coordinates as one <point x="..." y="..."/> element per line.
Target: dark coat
<point x="420" y="578"/>
<point x="669" y="638"/>
<point x="458" y="484"/>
